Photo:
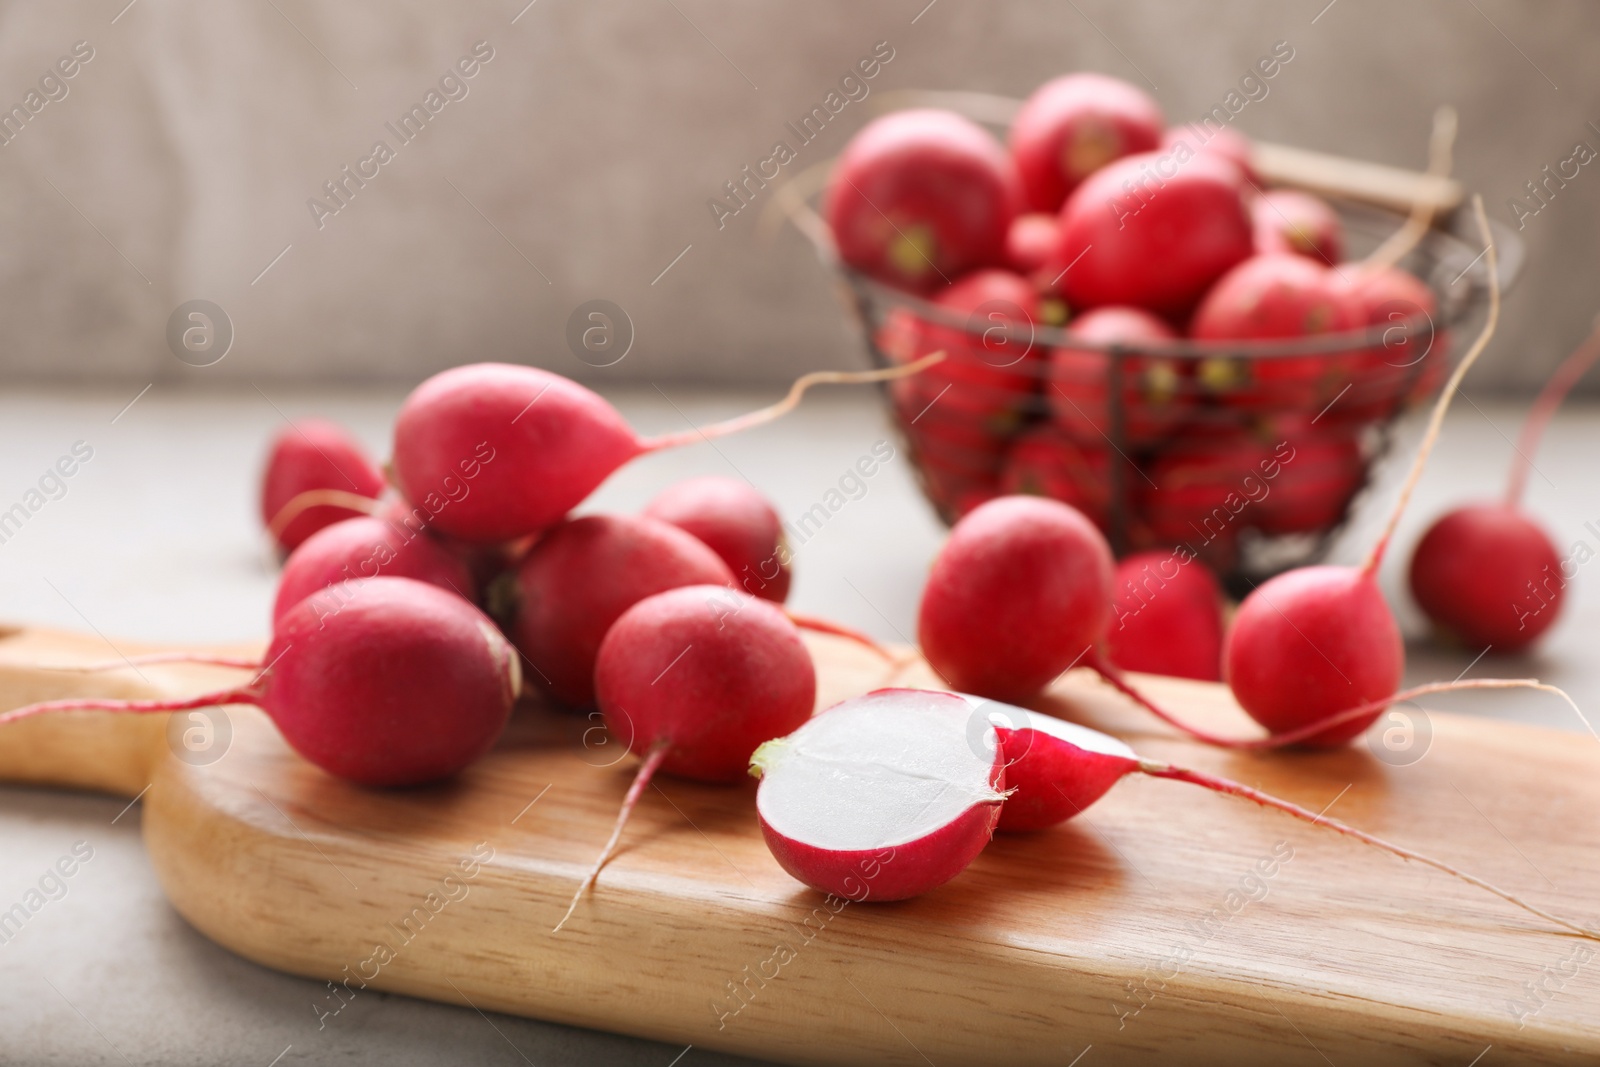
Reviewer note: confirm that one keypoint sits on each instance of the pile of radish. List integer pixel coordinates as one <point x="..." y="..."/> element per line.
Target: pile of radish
<point x="1138" y="238"/>
<point x="410" y="616"/>
<point x="419" y="601"/>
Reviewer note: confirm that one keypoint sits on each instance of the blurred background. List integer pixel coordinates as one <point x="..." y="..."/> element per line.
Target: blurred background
<point x="577" y="163"/>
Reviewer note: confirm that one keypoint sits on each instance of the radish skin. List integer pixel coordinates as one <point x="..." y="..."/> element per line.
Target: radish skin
<point x="496" y="452"/>
<point x="381" y="681"/>
<point x="1057" y="769"/>
<point x="697" y="678"/>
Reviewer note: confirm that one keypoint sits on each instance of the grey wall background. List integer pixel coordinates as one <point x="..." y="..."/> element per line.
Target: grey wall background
<point x="579" y="166"/>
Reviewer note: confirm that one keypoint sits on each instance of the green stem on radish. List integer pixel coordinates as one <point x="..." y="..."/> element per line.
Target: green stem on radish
<point x="1442" y="405"/>
<point x="775" y="411"/>
<point x="647" y="771"/>
<point x="313" y="498"/>
<point x="1567" y="375"/>
<point x="1229" y="787"/>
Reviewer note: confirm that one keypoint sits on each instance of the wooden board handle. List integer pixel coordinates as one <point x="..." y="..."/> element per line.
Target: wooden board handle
<point x="100" y="751"/>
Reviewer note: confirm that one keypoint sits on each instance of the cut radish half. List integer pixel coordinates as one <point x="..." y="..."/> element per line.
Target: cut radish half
<point x="1055" y="768"/>
<point x="883" y="796"/>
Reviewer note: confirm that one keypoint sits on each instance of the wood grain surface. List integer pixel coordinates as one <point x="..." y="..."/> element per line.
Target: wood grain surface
<point x="1164" y="925"/>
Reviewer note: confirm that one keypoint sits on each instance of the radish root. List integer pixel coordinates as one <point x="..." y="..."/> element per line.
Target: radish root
<point x="1237" y="789"/>
<point x="242" y="695"/>
<point x="1567" y="375"/>
<point x="765" y="415"/>
<point x="647" y="771"/>
<point x="314" y="498"/>
<point x="1442" y="405"/>
<point x="1302" y="733"/>
<point x="820" y="625"/>
<point x="239" y="662"/>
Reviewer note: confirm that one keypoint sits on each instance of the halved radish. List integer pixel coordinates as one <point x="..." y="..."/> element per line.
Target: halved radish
<point x="883" y="796"/>
<point x="1067" y="767"/>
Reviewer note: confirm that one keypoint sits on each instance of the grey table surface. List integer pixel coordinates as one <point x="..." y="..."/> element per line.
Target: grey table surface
<point x="156" y="539"/>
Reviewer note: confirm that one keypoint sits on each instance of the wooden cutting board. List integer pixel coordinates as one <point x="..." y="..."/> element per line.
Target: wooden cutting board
<point x="1144" y="932"/>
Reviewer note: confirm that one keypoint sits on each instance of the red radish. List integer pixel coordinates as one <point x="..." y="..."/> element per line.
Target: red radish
<point x="485" y="562"/>
<point x="1298" y="223"/>
<point x="737" y="523"/>
<point x="1032" y="241"/>
<point x="1045" y="462"/>
<point x="1411" y="359"/>
<point x="1155" y="394"/>
<point x="579" y="579"/>
<point x="1311" y="643"/>
<point x="1313" y="490"/>
<point x="1072" y="126"/>
<point x="921" y="197"/>
<point x="1168" y="617"/>
<point x="495" y="452"/>
<point x="1152" y="231"/>
<point x="1317" y="641"/>
<point x="1205" y="488"/>
<point x="1223" y="141"/>
<point x="1279" y="296"/>
<point x="314" y="455"/>
<point x="1057" y="769"/>
<point x="881" y="797"/>
<point x="366" y="548"/>
<point x="381" y="681"/>
<point x="1020" y="592"/>
<point x="693" y="680"/>
<point x="991" y="371"/>
<point x="1487" y="574"/>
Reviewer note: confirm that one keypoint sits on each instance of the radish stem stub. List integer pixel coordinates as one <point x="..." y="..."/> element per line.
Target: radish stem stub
<point x="881" y="797"/>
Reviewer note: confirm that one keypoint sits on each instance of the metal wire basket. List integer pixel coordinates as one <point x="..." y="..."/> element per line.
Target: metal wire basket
<point x="1199" y="467"/>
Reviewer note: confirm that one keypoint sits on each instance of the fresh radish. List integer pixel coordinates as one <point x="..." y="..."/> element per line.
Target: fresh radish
<point x="381" y="681"/>
<point x="485" y="562"/>
<point x="1072" y="126"/>
<point x="920" y="197"/>
<point x="1057" y="769"/>
<point x="1152" y="231"/>
<point x="1021" y="591"/>
<point x="1316" y="642"/>
<point x="991" y="371"/>
<point x="1409" y="362"/>
<point x="881" y="797"/>
<point x="495" y="452"/>
<point x="1295" y="222"/>
<point x="1168" y="617"/>
<point x="693" y="680"/>
<point x="315" y="456"/>
<point x="1313" y="490"/>
<point x="367" y="548"/>
<point x="1269" y="297"/>
<point x="579" y="579"/>
<point x="1488" y="574"/>
<point x="1204" y="487"/>
<point x="1223" y="141"/>
<point x="1155" y="389"/>
<point x="1031" y="242"/>
<point x="737" y="523"/>
<point x="1046" y="462"/>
